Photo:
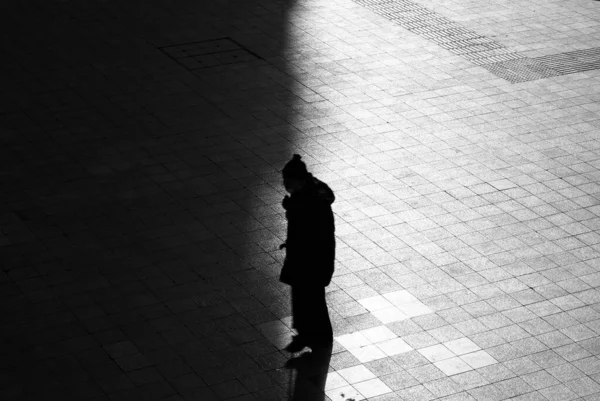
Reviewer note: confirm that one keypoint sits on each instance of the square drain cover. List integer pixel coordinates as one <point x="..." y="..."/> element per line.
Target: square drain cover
<point x="209" y="53"/>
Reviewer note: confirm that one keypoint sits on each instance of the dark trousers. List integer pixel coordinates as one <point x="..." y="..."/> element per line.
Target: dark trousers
<point x="309" y="313"/>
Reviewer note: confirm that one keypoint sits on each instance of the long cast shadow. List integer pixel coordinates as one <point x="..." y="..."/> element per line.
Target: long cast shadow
<point x="140" y="197"/>
<point x="308" y="375"/>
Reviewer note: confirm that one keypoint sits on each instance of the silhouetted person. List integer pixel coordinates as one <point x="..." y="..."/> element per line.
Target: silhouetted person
<point x="310" y="254"/>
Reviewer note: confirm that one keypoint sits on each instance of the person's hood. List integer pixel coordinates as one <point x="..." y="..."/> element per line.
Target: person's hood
<point x="323" y="191"/>
<point x="315" y="189"/>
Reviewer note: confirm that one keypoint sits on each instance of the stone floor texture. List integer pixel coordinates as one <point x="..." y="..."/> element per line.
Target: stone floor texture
<point x="140" y="198"/>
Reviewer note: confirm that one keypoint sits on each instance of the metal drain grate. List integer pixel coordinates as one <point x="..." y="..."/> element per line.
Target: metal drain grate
<point x="478" y="49"/>
<point x="209" y="53"/>
<point x="521" y="70"/>
<point x="530" y="69"/>
<point x="575" y="61"/>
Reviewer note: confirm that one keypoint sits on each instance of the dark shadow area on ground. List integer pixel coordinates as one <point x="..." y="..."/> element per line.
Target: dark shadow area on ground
<point x="137" y="206"/>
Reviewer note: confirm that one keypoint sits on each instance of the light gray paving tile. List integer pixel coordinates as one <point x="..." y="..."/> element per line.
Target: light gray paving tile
<point x="537" y="327"/>
<point x="529" y="345"/>
<point x="547" y="359"/>
<point x="487" y="339"/>
<point x="470" y="327"/>
<point x="584" y="386"/>
<point x="487" y="392"/>
<point x="513" y="387"/>
<point x="540" y="379"/>
<point x="505" y="352"/>
<point x="399" y="380"/>
<point x="495" y="372"/>
<point x="445" y="333"/>
<point x="519" y="314"/>
<point x="554" y="339"/>
<point x="578" y="333"/>
<point x="442" y="387"/>
<point x="410" y="359"/>
<point x="420" y="340"/>
<point x="561" y="320"/>
<point x="383" y="366"/>
<point x="418" y="392"/>
<point x="565" y="372"/>
<point x="572" y="352"/>
<point x="521" y="366"/>
<point x="585" y="315"/>
<point x="558" y="392"/>
<point x="512" y="333"/>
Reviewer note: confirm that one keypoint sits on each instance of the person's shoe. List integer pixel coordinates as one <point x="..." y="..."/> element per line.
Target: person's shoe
<point x="296" y="345"/>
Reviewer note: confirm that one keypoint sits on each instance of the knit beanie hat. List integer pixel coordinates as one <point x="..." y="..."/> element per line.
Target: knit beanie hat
<point x="295" y="168"/>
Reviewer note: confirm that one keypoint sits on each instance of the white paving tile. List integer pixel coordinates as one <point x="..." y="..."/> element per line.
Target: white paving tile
<point x="372" y="388"/>
<point x="353" y="340"/>
<point x="375" y="303"/>
<point x="389" y="315"/>
<point x="356" y="374"/>
<point x="344" y="394"/>
<point x="335" y="380"/>
<point x="436" y="353"/>
<point x="414" y="309"/>
<point x="394" y="347"/>
<point x="400" y="297"/>
<point x="462" y="346"/>
<point x="478" y="359"/>
<point x="453" y="366"/>
<point x="378" y="334"/>
<point x="367" y="353"/>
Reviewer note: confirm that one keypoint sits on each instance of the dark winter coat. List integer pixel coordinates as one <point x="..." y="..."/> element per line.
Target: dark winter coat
<point x="310" y="244"/>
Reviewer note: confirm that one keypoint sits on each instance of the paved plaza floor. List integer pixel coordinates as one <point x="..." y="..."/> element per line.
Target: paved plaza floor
<point x="140" y="198"/>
